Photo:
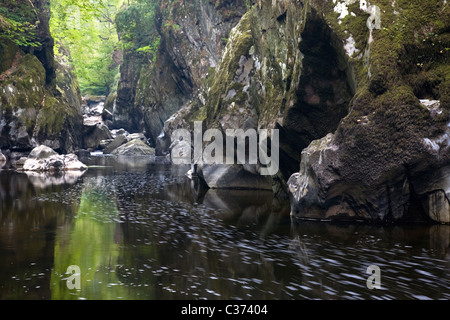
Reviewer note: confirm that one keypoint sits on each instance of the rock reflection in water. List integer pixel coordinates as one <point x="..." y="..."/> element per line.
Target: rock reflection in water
<point x="151" y="233"/>
<point x="44" y="180"/>
<point x="30" y="215"/>
<point x="414" y="260"/>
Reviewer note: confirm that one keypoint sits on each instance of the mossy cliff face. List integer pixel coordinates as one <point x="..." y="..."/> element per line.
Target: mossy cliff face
<point x="342" y="81"/>
<point x="39" y="97"/>
<point x="192" y="37"/>
<point x="381" y="163"/>
<point x="31" y="113"/>
<point x="283" y="68"/>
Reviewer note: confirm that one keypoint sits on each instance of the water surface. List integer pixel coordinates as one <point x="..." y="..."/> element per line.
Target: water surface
<point x="142" y="230"/>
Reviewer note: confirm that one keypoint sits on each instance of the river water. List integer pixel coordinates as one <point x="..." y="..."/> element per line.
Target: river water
<point x="139" y="229"/>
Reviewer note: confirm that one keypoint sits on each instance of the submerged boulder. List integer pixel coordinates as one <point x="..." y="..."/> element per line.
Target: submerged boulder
<point x="45" y="159"/>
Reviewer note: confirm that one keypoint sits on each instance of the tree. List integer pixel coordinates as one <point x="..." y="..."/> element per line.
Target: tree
<point x="137" y="30"/>
<point x="18" y="23"/>
<point x="87" y="29"/>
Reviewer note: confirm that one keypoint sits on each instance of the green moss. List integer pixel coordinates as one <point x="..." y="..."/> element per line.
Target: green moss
<point x="356" y="24"/>
<point x="53" y="115"/>
<point x="199" y="114"/>
<point x="241" y="41"/>
<point x="8" y="52"/>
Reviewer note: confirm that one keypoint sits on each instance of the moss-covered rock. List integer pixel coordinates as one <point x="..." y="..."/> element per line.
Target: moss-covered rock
<point x="355" y="69"/>
<point x="32" y="113"/>
<point x="385" y="148"/>
<point x="283" y="68"/>
<point x="39" y="96"/>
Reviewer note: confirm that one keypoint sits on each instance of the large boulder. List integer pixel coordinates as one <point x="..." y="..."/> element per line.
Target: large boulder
<point x="134" y="148"/>
<point x="94" y="132"/>
<point x="45" y="159"/>
<point x="41" y="153"/>
<point x="31" y="113"/>
<point x="116" y="143"/>
<point x="320" y="192"/>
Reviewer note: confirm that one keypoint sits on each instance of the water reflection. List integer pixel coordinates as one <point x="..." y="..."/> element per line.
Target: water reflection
<point x="42" y="180"/>
<point x="148" y="232"/>
<point x="28" y="226"/>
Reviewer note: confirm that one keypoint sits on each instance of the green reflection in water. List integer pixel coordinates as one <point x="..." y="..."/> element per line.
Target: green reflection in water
<point x="94" y="244"/>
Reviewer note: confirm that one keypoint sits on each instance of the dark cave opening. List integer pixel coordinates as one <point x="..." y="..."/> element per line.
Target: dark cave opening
<point x="324" y="92"/>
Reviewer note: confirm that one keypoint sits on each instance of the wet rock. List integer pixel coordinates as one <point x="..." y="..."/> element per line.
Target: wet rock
<point x="320" y="192"/>
<point x="92" y="101"/>
<point x="97" y="110"/>
<point x="433" y="189"/>
<point x="116" y="143"/>
<point x="104" y="143"/>
<point x="134" y="148"/>
<point x="45" y="159"/>
<point x="233" y="177"/>
<point x="94" y="133"/>
<point x="135" y="136"/>
<point x="83" y="153"/>
<point x="2" y="160"/>
<point x="31" y="115"/>
<point x="20" y="163"/>
<point x="42" y="152"/>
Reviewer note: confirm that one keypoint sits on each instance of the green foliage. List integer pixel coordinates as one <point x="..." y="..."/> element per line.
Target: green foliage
<point x="87" y="30"/>
<point x="150" y="51"/>
<point x="18" y="23"/>
<point x="137" y="29"/>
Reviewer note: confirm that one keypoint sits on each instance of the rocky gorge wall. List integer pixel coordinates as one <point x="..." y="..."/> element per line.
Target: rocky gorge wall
<point x="360" y="94"/>
<point x="40" y="101"/>
<point x="358" y="91"/>
<point x="192" y="37"/>
<point x="388" y="158"/>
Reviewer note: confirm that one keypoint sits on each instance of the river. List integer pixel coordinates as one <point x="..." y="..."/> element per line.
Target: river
<point x="140" y="229"/>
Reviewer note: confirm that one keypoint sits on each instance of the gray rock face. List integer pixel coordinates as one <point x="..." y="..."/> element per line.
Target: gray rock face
<point x="277" y="72"/>
<point x="433" y="190"/>
<point x="31" y="113"/>
<point x="319" y="192"/>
